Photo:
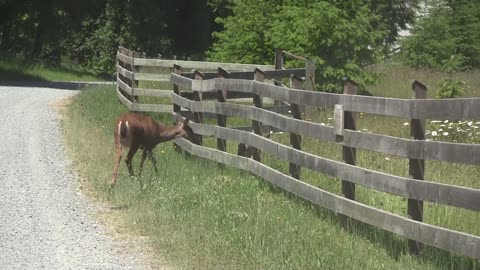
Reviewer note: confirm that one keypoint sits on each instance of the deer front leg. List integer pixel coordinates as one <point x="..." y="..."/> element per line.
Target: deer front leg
<point x="144" y="156"/>
<point x="130" y="155"/>
<point x="152" y="158"/>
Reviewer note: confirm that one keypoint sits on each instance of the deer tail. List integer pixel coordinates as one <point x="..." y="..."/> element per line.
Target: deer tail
<point x="123" y="129"/>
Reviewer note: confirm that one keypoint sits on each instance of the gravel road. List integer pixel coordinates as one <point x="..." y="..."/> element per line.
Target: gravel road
<point x="45" y="222"/>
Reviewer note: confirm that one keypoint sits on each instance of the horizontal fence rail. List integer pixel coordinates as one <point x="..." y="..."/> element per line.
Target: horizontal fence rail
<point x="431" y="150"/>
<point x="463" y="197"/>
<point x="198" y="95"/>
<point x="452" y="109"/>
<point x="129" y="64"/>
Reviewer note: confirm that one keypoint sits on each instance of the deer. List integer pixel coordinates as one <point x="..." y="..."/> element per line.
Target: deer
<point x="135" y="131"/>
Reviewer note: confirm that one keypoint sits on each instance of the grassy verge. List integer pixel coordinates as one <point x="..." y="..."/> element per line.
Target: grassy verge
<point x="17" y="70"/>
<point x="198" y="216"/>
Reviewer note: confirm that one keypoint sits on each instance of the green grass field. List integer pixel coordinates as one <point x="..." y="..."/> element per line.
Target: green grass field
<point x="198" y="216"/>
<point x="18" y="70"/>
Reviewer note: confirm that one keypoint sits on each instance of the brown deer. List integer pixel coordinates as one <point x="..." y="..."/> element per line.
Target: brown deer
<point x="137" y="131"/>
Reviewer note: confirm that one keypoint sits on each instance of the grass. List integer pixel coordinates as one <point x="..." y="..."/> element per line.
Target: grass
<point x="395" y="77"/>
<point x="18" y="70"/>
<point x="198" y="216"/>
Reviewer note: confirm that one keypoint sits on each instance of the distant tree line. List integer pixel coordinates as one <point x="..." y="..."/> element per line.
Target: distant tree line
<point x="87" y="33"/>
<point x="342" y="37"/>
<point x="446" y="36"/>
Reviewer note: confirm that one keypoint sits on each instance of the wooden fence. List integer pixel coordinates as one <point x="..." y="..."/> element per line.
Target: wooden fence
<point x="132" y="67"/>
<point x="191" y="91"/>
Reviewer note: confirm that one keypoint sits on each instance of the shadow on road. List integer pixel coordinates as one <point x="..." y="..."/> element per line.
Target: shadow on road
<point x="54" y="84"/>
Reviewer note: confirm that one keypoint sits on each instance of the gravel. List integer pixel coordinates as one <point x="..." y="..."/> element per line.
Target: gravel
<point x="45" y="221"/>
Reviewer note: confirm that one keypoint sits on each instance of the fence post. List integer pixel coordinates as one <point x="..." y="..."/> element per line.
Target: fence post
<point x="120" y="64"/>
<point x="198" y="116"/>
<point x="176" y="89"/>
<point x="134" y="69"/>
<point x="279" y="61"/>
<point x="222" y="119"/>
<point x="310" y="69"/>
<point x="349" y="153"/>
<point x="258" y="76"/>
<point x="416" y="168"/>
<point x="295" y="139"/>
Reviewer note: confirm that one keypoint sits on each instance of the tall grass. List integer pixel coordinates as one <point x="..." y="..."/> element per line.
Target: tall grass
<point x="199" y="216"/>
<point x="396" y="77"/>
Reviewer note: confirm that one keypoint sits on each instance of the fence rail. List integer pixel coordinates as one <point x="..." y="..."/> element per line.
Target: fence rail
<point x="207" y="93"/>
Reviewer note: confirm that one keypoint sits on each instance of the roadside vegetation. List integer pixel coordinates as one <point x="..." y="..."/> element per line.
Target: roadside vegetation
<point x="197" y="215"/>
<point x="12" y="69"/>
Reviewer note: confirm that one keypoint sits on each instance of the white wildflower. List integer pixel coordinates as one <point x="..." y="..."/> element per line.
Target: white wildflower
<point x="387" y="158"/>
<point x="434" y="133"/>
<point x="440" y="129"/>
<point x="445" y="133"/>
<point x="405" y="124"/>
<point x="323" y="124"/>
<point x="330" y="118"/>
<point x="470" y="123"/>
<point x="446" y="121"/>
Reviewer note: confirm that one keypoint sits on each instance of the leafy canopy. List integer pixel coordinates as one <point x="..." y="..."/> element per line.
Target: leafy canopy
<point x="446" y="37"/>
<point x="338" y="37"/>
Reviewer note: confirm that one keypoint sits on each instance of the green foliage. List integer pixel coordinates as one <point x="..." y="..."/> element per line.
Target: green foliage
<point x="450" y="88"/>
<point x="448" y="30"/>
<point x="243" y="38"/>
<point x="15" y="70"/>
<point x="339" y="39"/>
<point x="86" y="34"/>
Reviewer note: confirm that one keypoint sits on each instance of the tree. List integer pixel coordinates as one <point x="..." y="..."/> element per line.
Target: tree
<point x="449" y="30"/>
<point x="339" y="39"/>
<point x="393" y="16"/>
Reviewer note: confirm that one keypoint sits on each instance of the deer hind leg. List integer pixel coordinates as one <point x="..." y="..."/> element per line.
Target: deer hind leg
<point x="131" y="153"/>
<point x="118" y="158"/>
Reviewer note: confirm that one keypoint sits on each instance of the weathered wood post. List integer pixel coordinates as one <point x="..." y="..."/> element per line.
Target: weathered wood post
<point x="295" y="139"/>
<point x="222" y="119"/>
<point x="349" y="153"/>
<point x="134" y="69"/>
<point x="279" y="61"/>
<point x="127" y="65"/>
<point x="310" y="69"/>
<point x="198" y="116"/>
<point x="119" y="64"/>
<point x="416" y="168"/>
<point x="176" y="89"/>
<point x="258" y="76"/>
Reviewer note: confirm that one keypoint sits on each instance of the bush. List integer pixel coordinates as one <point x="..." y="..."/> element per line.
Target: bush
<point x="450" y="88"/>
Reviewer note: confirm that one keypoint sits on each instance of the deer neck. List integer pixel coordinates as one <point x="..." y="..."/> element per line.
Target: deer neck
<point x="167" y="133"/>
